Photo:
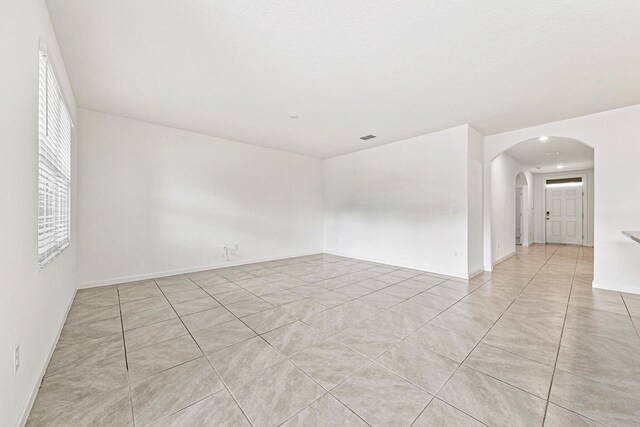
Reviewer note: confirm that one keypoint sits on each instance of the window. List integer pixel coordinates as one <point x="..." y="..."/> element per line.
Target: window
<point x="564" y="182"/>
<point x="54" y="167"/>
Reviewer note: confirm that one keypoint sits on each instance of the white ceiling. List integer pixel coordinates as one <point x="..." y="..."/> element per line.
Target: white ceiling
<point x="395" y="69"/>
<point x="544" y="156"/>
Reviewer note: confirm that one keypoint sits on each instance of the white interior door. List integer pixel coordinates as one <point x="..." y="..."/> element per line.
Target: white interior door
<point x="564" y="215"/>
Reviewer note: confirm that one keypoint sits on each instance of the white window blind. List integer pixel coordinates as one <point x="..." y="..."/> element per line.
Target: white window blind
<point x="54" y="167"/>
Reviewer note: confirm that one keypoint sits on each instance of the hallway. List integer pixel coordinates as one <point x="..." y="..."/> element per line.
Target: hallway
<point x="326" y="340"/>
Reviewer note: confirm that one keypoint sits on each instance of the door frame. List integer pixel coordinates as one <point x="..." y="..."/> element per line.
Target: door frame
<point x="521" y="216"/>
<point x="563" y="175"/>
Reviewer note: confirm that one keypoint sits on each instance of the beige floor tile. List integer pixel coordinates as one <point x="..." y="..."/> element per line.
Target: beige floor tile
<point x="143" y="304"/>
<point x="443" y="342"/>
<point x="219" y="410"/>
<point x="558" y="416"/>
<point x="418" y="312"/>
<point x="162" y="356"/>
<point x="179" y="288"/>
<point x="153" y="334"/>
<point x="99" y="296"/>
<point x="441" y="414"/>
<point x="147" y="317"/>
<point x="186" y="295"/>
<point x="461" y="325"/>
<point x="294" y="337"/>
<point x="595" y="401"/>
<point x="304" y="308"/>
<point x="325" y="411"/>
<point x="491" y="401"/>
<point x="367" y="339"/>
<point x="208" y="318"/>
<point x="275" y="394"/>
<point x="77" y="385"/>
<point x="87" y="313"/>
<point x="86" y="353"/>
<point x="435" y="301"/>
<point x="249" y="306"/>
<point x="331" y="299"/>
<point x="354" y="291"/>
<point x="623" y="375"/>
<point x="282" y="297"/>
<point x="136" y="292"/>
<point x="381" y="300"/>
<point x="522" y="304"/>
<point x="418" y="365"/>
<point x="79" y="332"/>
<point x="244" y="359"/>
<point x="172" y="280"/>
<point x="518" y="371"/>
<point x="528" y="336"/>
<point x="233" y="296"/>
<point x="268" y="320"/>
<point x="400" y="291"/>
<point x="343" y="316"/>
<point x="169" y="391"/>
<point x="195" y="306"/>
<point x="220" y="288"/>
<point x="112" y="407"/>
<point x="382" y="398"/>
<point x="395" y="322"/>
<point x="328" y="362"/>
<point x="221" y="336"/>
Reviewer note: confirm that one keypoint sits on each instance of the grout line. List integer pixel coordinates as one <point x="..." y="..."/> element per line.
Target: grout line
<point x="126" y="359"/>
<point x="210" y="364"/>
<point x="287" y="358"/>
<point x="564" y="321"/>
<point x="506" y="309"/>
<point x="318" y="263"/>
<point x="637" y="328"/>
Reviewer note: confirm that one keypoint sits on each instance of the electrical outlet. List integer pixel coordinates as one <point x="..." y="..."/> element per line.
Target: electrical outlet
<point x="16" y="359"/>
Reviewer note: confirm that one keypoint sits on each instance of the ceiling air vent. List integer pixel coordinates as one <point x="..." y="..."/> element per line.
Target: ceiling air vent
<point x="364" y="138"/>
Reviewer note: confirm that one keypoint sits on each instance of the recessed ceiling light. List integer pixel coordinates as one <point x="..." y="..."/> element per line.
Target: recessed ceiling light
<point x="294" y="116"/>
<point x="552" y="153"/>
<point x="543" y="138"/>
<point x="366" y="137"/>
<point x="559" y="166"/>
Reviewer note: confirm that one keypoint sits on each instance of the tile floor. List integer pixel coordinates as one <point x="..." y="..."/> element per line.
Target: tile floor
<point x="330" y="341"/>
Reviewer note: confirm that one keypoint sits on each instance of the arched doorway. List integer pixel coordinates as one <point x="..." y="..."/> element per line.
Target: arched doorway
<point x="518" y="181"/>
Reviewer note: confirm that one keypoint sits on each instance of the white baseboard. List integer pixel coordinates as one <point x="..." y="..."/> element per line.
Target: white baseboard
<point x="476" y="273"/>
<point x="403" y="265"/>
<point x="27" y="410"/>
<point x="145" y="276"/>
<point x="504" y="258"/>
<point x="617" y="288"/>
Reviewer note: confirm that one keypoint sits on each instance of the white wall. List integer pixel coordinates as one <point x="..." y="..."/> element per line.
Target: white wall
<point x="403" y="203"/>
<point x="156" y="200"/>
<point x="33" y="302"/>
<point x="539" y="195"/>
<point x="475" y="145"/>
<point x="504" y="171"/>
<point x="615" y="137"/>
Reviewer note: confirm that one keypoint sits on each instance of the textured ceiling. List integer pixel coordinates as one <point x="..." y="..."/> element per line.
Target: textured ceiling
<point x="396" y="69"/>
<point x="544" y="156"/>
